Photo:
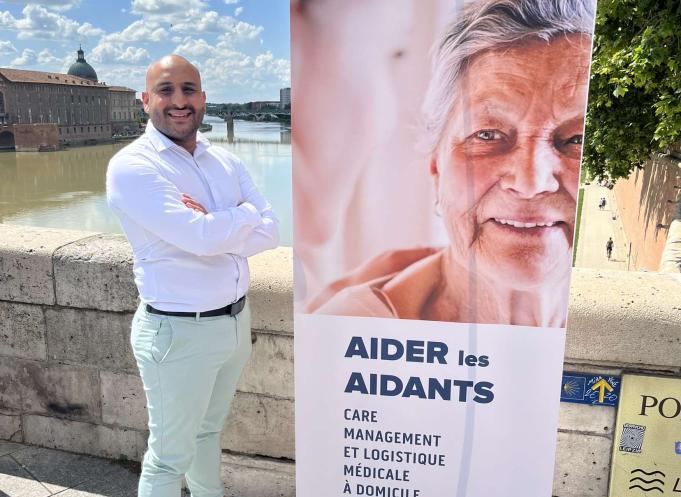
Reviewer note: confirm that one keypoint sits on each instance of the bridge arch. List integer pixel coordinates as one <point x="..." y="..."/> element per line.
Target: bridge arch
<point x="6" y="140"/>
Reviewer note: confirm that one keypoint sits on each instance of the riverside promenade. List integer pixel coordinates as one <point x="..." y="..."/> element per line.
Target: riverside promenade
<point x="28" y="471"/>
<point x="596" y="226"/>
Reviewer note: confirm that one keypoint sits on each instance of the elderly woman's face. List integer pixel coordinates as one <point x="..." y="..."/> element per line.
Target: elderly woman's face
<point x="507" y="167"/>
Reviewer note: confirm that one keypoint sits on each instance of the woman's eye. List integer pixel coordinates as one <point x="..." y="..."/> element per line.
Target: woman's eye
<point x="574" y="140"/>
<point x="488" y="135"/>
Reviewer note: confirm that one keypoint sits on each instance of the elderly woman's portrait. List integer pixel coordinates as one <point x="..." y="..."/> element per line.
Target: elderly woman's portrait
<point x="493" y="168"/>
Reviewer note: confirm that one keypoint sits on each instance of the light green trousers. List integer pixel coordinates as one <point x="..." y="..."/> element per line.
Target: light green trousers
<point x="189" y="368"/>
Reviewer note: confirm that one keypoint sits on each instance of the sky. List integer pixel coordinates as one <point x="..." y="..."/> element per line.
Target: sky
<point x="241" y="47"/>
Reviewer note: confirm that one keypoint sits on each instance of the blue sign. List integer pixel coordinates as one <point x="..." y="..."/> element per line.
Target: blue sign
<point x="677" y="448"/>
<point x="596" y="390"/>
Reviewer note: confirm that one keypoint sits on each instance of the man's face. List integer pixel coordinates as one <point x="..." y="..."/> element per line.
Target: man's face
<point x="174" y="99"/>
<point x="507" y="168"/>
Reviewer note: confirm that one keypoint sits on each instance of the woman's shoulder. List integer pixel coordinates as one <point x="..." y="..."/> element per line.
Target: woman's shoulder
<point x="363" y="300"/>
<point x="398" y="295"/>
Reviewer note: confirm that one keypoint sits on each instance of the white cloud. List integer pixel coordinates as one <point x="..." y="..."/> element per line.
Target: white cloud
<point x="38" y="22"/>
<point x="107" y="52"/>
<point x="27" y="57"/>
<point x="60" y="5"/>
<point x="132" y="55"/>
<point x="195" y="21"/>
<point x="140" y="30"/>
<point x="165" y="7"/>
<point x="225" y="67"/>
<point x="6" y="48"/>
<point x="238" y="11"/>
<point x="89" y="31"/>
<point x="192" y="49"/>
<point x="231" y="2"/>
<point x="46" y="57"/>
<point x="130" y="76"/>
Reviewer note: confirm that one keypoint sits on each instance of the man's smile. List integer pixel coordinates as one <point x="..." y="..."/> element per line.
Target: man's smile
<point x="179" y="114"/>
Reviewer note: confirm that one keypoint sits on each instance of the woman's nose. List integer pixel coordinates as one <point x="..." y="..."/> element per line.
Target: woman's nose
<point x="532" y="169"/>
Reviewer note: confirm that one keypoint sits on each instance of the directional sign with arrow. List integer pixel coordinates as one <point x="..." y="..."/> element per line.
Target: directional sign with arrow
<point x="597" y="390"/>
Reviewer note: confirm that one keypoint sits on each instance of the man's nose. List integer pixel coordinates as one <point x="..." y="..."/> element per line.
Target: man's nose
<point x="532" y="169"/>
<point x="179" y="99"/>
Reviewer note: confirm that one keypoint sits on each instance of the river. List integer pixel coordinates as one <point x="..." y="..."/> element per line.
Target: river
<point x="66" y="189"/>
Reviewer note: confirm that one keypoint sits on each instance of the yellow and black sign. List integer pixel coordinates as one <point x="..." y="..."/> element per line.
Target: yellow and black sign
<point x="647" y="439"/>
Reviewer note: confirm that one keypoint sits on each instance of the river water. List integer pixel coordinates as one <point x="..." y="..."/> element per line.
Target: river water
<point x="66" y="189"/>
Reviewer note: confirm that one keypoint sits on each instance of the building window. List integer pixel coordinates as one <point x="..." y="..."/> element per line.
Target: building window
<point x="81" y="129"/>
<point x="67" y="131"/>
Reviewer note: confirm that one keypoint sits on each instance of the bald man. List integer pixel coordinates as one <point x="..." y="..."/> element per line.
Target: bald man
<point x="192" y="215"/>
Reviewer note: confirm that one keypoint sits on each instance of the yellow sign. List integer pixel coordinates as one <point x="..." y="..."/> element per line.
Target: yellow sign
<point x="647" y="439"/>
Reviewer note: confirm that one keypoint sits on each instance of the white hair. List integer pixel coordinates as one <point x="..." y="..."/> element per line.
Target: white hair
<point x="493" y="24"/>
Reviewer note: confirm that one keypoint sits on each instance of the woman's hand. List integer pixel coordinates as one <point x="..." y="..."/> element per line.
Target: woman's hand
<point x="383" y="264"/>
<point x="193" y="204"/>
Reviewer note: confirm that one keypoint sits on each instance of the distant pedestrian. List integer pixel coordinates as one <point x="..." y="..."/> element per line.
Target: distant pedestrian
<point x="608" y="247"/>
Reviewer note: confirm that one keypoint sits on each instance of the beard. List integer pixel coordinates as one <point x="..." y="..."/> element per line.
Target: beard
<point x="178" y="131"/>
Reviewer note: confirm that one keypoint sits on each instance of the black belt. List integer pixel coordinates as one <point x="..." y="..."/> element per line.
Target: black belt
<point x="229" y="310"/>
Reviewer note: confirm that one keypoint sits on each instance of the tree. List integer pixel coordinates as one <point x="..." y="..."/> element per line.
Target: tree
<point x="635" y="89"/>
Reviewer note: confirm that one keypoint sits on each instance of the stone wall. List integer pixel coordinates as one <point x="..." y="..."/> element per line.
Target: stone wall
<point x="35" y="137"/>
<point x="644" y="202"/>
<point x="68" y="378"/>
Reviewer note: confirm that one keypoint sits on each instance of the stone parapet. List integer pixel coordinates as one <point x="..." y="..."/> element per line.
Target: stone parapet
<point x="68" y="379"/>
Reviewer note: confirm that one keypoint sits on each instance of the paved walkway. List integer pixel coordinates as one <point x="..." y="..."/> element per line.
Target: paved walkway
<point x="27" y="471"/>
<point x="596" y="227"/>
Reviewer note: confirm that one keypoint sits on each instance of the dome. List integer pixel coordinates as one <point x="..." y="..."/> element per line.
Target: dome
<point x="81" y="68"/>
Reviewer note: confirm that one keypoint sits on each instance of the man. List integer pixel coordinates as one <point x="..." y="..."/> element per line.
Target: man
<point x="192" y="215"/>
<point x="608" y="247"/>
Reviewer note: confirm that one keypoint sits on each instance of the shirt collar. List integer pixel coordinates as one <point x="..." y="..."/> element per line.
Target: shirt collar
<point x="161" y="142"/>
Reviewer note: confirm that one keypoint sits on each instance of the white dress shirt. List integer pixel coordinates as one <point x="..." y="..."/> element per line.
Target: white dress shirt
<point x="185" y="260"/>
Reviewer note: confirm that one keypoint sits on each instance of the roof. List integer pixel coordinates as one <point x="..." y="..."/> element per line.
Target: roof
<point x="121" y="88"/>
<point x="22" y="76"/>
<point x="82" y="69"/>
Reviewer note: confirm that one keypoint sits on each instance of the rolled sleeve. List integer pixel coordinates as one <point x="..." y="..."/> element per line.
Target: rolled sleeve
<point x="265" y="235"/>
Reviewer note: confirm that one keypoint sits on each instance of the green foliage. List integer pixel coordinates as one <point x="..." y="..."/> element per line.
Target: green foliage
<point x="635" y="89"/>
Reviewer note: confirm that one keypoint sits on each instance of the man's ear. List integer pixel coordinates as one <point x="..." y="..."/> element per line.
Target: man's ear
<point x="203" y="97"/>
<point x="145" y="101"/>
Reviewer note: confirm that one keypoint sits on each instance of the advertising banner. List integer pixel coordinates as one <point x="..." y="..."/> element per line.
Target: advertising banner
<point x="436" y="151"/>
<point x="646" y="455"/>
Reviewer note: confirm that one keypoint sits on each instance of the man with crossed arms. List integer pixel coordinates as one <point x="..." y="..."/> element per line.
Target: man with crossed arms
<point x="192" y="215"/>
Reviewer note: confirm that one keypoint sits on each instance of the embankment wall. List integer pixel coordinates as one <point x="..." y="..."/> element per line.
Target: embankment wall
<point x="68" y="379"/>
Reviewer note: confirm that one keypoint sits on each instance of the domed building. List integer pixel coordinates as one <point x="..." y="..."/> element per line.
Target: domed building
<point x="46" y="111"/>
<point x="81" y="68"/>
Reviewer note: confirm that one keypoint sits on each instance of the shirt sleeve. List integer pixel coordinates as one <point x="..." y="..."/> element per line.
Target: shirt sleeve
<point x="137" y="189"/>
<point x="265" y="236"/>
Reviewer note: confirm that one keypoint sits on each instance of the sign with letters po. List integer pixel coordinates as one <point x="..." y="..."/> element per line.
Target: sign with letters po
<point x="647" y="444"/>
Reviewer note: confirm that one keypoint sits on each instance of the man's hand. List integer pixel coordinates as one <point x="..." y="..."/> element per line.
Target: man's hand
<point x="383" y="264"/>
<point x="193" y="204"/>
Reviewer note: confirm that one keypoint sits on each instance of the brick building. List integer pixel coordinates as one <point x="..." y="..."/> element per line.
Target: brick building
<point x="42" y="110"/>
<point x="124" y="110"/>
